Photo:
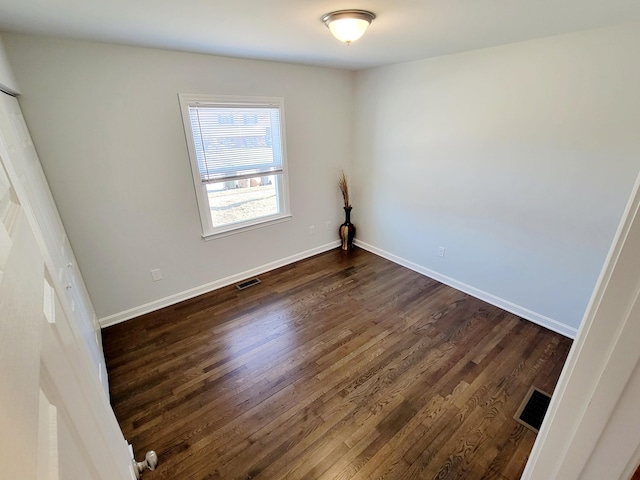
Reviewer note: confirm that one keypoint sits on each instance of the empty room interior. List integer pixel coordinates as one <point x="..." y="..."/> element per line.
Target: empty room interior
<point x="238" y="243"/>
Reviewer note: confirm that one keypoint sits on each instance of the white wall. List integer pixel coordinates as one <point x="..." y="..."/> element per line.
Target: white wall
<point x="517" y="159"/>
<point x="106" y="122"/>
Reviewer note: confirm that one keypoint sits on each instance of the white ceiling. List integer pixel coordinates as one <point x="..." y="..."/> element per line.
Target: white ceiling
<point x="291" y="30"/>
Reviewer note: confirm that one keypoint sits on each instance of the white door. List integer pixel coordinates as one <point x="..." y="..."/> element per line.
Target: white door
<point x="39" y="205"/>
<point x="55" y="417"/>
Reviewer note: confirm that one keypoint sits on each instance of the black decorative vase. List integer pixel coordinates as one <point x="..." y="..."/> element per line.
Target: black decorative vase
<point x="347" y="230"/>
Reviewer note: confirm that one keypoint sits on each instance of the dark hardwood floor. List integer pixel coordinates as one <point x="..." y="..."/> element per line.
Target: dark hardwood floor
<point x="341" y="366"/>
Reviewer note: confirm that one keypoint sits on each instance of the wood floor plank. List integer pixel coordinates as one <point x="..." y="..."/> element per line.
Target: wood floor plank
<point x="341" y="366"/>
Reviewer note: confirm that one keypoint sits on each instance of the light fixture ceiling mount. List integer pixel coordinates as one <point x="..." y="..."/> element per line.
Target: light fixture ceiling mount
<point x="348" y="25"/>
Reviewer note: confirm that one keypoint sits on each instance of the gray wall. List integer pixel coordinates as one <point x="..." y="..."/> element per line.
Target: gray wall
<point x="518" y="159"/>
<point x="106" y="123"/>
<point x="7" y="79"/>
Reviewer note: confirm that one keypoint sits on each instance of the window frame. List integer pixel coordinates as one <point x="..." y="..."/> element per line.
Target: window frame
<point x="209" y="231"/>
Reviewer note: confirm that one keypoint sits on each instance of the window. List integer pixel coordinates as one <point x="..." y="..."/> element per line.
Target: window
<point x="237" y="152"/>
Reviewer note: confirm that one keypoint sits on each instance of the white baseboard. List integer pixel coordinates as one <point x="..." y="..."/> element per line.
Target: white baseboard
<point x="208" y="287"/>
<point x="525" y="313"/>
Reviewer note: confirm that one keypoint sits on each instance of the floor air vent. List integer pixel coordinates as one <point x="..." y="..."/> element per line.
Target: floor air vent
<point x="247" y="284"/>
<point x="533" y="408"/>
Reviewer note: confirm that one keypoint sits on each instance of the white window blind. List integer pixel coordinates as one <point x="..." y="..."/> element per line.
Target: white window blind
<point x="232" y="143"/>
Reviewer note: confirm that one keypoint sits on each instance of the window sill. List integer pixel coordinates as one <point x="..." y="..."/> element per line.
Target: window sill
<point x="231" y="230"/>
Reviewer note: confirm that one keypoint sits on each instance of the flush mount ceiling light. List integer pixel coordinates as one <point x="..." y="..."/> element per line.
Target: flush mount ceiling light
<point x="348" y="25"/>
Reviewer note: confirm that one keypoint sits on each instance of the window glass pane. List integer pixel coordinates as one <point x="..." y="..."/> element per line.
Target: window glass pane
<point x="241" y="200"/>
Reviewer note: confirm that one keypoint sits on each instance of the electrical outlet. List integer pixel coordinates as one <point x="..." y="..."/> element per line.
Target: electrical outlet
<point x="328" y="224"/>
<point x="312" y="230"/>
<point x="156" y="275"/>
<point x="441" y="251"/>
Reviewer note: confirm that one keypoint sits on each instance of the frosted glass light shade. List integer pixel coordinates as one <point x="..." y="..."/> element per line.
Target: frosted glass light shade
<point x="348" y="25"/>
<point x="348" y="30"/>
